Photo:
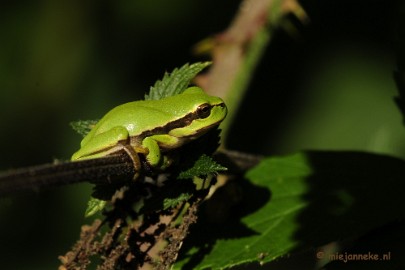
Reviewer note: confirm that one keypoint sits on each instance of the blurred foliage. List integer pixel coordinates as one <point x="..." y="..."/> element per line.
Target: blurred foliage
<point x="326" y="86"/>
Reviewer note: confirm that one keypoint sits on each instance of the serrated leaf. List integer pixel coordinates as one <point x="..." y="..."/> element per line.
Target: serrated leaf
<point x="172" y="202"/>
<point x="93" y="206"/>
<point x="299" y="202"/>
<point x="175" y="82"/>
<point x="205" y="165"/>
<point x="83" y="126"/>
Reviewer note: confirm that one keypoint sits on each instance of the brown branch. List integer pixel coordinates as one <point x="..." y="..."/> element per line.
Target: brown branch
<point x="229" y="48"/>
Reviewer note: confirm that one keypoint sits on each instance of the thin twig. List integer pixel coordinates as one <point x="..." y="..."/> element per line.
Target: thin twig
<point x="99" y="171"/>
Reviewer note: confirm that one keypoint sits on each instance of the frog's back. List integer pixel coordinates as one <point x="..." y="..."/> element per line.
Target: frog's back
<point x="144" y="115"/>
<point x="136" y="117"/>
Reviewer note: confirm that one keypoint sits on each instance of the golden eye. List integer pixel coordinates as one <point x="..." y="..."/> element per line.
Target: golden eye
<point x="204" y="110"/>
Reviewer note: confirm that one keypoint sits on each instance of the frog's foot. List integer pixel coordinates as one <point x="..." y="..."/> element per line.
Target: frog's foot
<point x="135" y="160"/>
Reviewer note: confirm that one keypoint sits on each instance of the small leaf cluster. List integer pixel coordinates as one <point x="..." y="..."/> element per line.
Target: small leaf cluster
<point x="176" y="82"/>
<point x="205" y="165"/>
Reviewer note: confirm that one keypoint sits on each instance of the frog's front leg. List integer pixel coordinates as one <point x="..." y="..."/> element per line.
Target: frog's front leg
<point x="153" y="144"/>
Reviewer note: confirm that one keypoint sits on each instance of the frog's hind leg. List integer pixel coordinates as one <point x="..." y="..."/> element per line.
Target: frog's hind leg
<point x="135" y="159"/>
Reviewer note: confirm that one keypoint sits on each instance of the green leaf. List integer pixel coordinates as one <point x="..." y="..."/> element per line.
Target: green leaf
<point x="83" y="126"/>
<point x="296" y="203"/>
<point x="176" y="82"/>
<point x="172" y="202"/>
<point x="93" y="206"/>
<point x="204" y="165"/>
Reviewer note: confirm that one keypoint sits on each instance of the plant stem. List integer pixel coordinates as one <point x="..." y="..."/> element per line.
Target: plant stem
<point x="237" y="51"/>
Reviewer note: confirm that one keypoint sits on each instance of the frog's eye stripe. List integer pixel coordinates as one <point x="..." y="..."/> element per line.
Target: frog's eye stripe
<point x="203" y="111"/>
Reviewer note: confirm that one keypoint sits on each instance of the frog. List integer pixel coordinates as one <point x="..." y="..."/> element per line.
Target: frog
<point x="153" y="127"/>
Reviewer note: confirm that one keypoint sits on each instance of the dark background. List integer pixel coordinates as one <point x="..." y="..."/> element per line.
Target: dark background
<point x="324" y="85"/>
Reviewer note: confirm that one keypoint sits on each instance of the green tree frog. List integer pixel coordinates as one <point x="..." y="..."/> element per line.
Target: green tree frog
<point x="152" y="127"/>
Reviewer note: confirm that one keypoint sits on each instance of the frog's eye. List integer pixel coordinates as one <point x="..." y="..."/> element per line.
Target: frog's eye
<point x="204" y="110"/>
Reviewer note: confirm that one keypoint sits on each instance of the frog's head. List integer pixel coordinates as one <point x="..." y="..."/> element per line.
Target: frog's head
<point x="204" y="113"/>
